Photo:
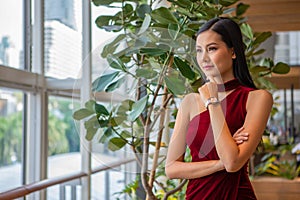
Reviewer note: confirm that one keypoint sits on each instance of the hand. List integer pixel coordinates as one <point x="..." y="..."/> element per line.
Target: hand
<point x="209" y="89"/>
<point x="239" y="136"/>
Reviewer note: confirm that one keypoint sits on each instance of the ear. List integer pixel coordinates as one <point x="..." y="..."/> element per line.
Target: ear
<point x="233" y="56"/>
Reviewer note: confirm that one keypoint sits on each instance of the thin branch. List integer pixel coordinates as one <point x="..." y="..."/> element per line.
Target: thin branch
<point x="158" y="141"/>
<point x="136" y="156"/>
<point x="179" y="187"/>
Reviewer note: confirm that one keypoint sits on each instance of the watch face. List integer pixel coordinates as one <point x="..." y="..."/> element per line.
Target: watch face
<point x="211" y="100"/>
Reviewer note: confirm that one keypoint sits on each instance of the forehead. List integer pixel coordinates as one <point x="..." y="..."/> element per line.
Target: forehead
<point x="208" y="37"/>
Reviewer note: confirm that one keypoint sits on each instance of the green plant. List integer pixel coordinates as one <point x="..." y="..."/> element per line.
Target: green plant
<point x="154" y="50"/>
<point x="274" y="164"/>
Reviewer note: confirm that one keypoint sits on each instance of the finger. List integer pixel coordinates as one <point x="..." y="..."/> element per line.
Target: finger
<point x="240" y="129"/>
<point x="239" y="141"/>
<point x="211" y="79"/>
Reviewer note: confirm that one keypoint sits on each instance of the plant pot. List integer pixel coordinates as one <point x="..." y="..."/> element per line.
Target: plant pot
<point x="276" y="188"/>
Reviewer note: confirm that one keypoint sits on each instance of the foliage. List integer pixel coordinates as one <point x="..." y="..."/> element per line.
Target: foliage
<point x="10" y="138"/>
<point x="61" y="135"/>
<point x="154" y="51"/>
<point x="275" y="164"/>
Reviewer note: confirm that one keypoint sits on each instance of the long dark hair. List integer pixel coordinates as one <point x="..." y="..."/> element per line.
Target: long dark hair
<point x="232" y="36"/>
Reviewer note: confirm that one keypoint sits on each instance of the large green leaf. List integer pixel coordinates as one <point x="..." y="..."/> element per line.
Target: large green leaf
<point x="261" y="37"/>
<point x="90" y="105"/>
<point x="173" y="30"/>
<point x="100" y="109"/>
<point x="101" y="83"/>
<point x="90" y="133"/>
<point x="184" y="68"/>
<point x="175" y="85"/>
<point x="125" y="106"/>
<point x="106" y="134"/>
<point x="163" y="16"/>
<point x="182" y="3"/>
<point x="103" y="2"/>
<point x="247" y="30"/>
<point x="257" y="69"/>
<point x="126" y="134"/>
<point x="92" y="122"/>
<point x="142" y="10"/>
<point x="103" y="20"/>
<point x="152" y="51"/>
<point x="127" y="10"/>
<point x="146" y="73"/>
<point x="116" y="143"/>
<point x="241" y="9"/>
<point x="115" y="62"/>
<point x="145" y="25"/>
<point x="227" y="2"/>
<point x="82" y="113"/>
<point x="281" y="68"/>
<point x="114" y="85"/>
<point x="137" y="108"/>
<point x="112" y="46"/>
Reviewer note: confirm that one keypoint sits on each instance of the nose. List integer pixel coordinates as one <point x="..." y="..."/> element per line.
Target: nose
<point x="203" y="57"/>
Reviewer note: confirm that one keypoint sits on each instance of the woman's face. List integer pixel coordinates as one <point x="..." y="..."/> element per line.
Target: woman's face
<point x="213" y="55"/>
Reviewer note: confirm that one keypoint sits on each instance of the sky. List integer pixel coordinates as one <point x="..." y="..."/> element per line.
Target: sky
<point x="11" y="17"/>
<point x="11" y="22"/>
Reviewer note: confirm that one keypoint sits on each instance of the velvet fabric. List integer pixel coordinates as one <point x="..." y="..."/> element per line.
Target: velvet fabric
<point x="220" y="185"/>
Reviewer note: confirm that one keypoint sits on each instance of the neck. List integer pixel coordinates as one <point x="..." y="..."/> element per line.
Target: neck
<point x="228" y="85"/>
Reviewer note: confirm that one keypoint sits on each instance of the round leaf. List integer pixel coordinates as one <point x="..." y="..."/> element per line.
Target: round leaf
<point x="90" y="133"/>
<point x="146" y="73"/>
<point x="247" y="30"/>
<point x="184" y="68"/>
<point x="116" y="143"/>
<point x="175" y="85"/>
<point x="100" y="109"/>
<point x="115" y="62"/>
<point x="281" y="68"/>
<point x="82" y="113"/>
<point x="142" y="10"/>
<point x="164" y="16"/>
<point x="145" y="25"/>
<point x="114" y="85"/>
<point x="137" y="108"/>
<point x="101" y="82"/>
<point x="152" y="51"/>
<point x="241" y="9"/>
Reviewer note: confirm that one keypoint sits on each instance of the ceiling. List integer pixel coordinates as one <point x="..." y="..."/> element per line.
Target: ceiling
<point x="273" y="15"/>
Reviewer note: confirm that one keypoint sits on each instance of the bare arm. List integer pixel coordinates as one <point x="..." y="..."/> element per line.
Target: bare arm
<point x="234" y="156"/>
<point x="175" y="165"/>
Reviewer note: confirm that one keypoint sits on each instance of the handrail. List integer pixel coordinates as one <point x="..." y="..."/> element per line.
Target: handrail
<point x="33" y="187"/>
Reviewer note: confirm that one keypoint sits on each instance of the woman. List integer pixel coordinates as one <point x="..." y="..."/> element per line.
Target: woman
<point x="223" y="123"/>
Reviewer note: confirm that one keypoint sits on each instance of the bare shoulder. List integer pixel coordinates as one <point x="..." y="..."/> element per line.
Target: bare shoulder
<point x="260" y="96"/>
<point x="190" y="98"/>
<point x="191" y="104"/>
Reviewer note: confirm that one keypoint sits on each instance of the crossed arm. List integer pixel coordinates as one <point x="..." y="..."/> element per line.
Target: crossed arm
<point x="232" y="151"/>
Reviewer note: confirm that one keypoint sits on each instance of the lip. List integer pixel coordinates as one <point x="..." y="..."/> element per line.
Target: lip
<point x="208" y="67"/>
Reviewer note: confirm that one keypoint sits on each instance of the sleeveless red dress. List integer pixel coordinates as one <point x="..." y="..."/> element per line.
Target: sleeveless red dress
<point x="220" y="185"/>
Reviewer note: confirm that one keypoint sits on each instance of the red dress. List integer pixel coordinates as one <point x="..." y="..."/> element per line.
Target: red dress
<point x="219" y="185"/>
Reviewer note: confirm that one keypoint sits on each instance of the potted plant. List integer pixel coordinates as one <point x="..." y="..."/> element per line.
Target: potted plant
<point x="154" y="51"/>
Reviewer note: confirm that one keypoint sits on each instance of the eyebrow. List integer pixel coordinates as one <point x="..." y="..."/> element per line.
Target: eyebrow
<point x="212" y="43"/>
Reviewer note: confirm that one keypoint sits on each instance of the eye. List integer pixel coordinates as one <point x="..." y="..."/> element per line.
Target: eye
<point x="211" y="49"/>
<point x="199" y="50"/>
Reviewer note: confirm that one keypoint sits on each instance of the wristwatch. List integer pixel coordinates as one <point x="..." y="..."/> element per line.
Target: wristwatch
<point x="211" y="100"/>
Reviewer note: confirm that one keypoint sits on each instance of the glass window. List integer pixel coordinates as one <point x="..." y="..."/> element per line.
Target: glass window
<point x="63" y="40"/>
<point x="287" y="47"/>
<point x="11" y="33"/>
<point x="11" y="126"/>
<point x="63" y="138"/>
